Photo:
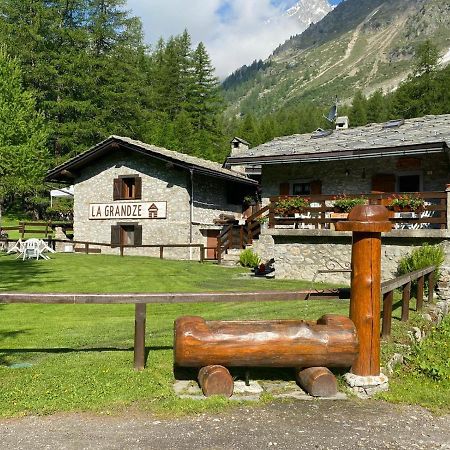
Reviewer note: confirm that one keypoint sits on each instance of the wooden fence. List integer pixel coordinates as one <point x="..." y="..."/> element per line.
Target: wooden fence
<point x="404" y="282"/>
<point x="141" y="300"/>
<point x="433" y="214"/>
<point x="45" y="229"/>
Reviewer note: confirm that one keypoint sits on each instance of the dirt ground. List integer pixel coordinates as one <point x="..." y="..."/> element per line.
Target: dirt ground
<point x="282" y="425"/>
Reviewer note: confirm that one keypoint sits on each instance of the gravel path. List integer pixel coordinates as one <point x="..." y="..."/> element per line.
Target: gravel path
<point x="290" y="425"/>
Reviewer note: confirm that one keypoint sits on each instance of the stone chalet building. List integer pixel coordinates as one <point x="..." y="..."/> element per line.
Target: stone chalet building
<point x="377" y="160"/>
<point x="127" y="192"/>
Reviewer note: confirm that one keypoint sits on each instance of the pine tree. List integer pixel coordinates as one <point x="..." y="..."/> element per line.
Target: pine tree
<point x="358" y="112"/>
<point x="23" y="135"/>
<point x="376" y="108"/>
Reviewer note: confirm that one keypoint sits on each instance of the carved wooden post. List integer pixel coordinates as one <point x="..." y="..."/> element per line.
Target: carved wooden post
<point x="367" y="222"/>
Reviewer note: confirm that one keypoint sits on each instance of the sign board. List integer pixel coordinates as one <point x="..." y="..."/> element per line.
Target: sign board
<point x="128" y="210"/>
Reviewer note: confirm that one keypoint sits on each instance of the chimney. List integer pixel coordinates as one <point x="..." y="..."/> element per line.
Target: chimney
<point x="238" y="146"/>
<point x="342" y="123"/>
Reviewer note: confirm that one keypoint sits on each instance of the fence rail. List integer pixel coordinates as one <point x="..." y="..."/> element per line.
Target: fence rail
<point x="88" y="246"/>
<point x="141" y="300"/>
<point x="405" y="282"/>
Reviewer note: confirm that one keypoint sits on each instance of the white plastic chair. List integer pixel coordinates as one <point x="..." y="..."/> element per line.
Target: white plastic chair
<point x="18" y="248"/>
<point x="33" y="250"/>
<point x="43" y="247"/>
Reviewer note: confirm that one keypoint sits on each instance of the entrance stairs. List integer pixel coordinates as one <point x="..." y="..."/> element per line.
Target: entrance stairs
<point x="231" y="257"/>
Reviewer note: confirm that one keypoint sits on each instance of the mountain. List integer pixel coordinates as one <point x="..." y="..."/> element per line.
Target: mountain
<point x="360" y="44"/>
<point x="307" y="12"/>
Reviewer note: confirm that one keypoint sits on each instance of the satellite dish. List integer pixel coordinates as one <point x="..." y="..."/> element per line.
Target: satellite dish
<point x="332" y="115"/>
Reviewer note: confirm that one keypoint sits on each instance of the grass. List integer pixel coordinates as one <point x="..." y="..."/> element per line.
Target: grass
<point x="81" y="355"/>
<point x="425" y="378"/>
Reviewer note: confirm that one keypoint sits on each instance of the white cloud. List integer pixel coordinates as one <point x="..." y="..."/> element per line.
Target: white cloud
<point x="244" y="36"/>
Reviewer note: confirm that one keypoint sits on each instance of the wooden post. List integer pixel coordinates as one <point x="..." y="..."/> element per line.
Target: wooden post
<point x="86" y="248"/>
<point x="139" y="335"/>
<point x="121" y="250"/>
<point x="419" y="297"/>
<point x="202" y="253"/>
<point x="430" y="286"/>
<point x="271" y="216"/>
<point x="367" y="222"/>
<point x="388" y="300"/>
<point x="406" y="297"/>
<point x="161" y="252"/>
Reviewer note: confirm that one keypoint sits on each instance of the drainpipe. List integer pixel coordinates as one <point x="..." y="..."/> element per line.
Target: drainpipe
<point x="191" y="213"/>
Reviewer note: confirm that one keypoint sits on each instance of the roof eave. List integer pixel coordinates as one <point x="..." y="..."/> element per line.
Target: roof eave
<point x="417" y="149"/>
<point x="79" y="161"/>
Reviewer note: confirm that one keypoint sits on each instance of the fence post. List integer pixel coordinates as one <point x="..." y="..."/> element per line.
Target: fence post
<point x="161" y="252"/>
<point x="202" y="253"/>
<point x="406" y="297"/>
<point x="366" y="223"/>
<point x="121" y="250"/>
<point x="388" y="300"/>
<point x="419" y="296"/>
<point x="430" y="286"/>
<point x="140" y="314"/>
<point x="271" y="217"/>
<point x="86" y="248"/>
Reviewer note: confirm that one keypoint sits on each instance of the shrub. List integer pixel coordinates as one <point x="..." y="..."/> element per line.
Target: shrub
<point x="419" y="258"/>
<point x="248" y="258"/>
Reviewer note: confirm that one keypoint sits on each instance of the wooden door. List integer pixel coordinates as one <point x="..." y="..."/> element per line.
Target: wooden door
<point x="211" y="241"/>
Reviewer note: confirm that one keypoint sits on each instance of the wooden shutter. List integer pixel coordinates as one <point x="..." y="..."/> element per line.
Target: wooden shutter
<point x="115" y="235"/>
<point x="117" y="189"/>
<point x="138" y="235"/>
<point x="383" y="182"/>
<point x="284" y="188"/>
<point x="138" y="188"/>
<point x="316" y="187"/>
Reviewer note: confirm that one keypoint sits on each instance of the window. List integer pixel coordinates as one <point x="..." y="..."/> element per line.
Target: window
<point x="127" y="187"/>
<point x="409" y="183"/>
<point x="301" y="188"/>
<point x="126" y="234"/>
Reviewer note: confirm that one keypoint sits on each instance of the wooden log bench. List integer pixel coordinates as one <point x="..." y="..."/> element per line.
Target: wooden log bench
<point x="213" y="346"/>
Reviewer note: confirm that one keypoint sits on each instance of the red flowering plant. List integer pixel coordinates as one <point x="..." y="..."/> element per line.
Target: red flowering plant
<point x="291" y="205"/>
<point x="344" y="204"/>
<point x="405" y="202"/>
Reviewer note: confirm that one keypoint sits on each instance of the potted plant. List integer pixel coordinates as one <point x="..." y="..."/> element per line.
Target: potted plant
<point x="291" y="205"/>
<point x="249" y="200"/>
<point x="344" y="204"/>
<point x="406" y="202"/>
<point x="263" y="221"/>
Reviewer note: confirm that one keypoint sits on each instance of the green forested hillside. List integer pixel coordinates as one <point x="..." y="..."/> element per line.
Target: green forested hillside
<point x="363" y="45"/>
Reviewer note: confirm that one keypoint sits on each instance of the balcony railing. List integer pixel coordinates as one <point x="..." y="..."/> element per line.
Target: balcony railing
<point x="320" y="214"/>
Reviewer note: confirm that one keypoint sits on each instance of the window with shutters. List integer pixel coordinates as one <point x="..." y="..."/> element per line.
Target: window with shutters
<point x="126" y="234"/>
<point x="127" y="187"/>
<point x="301" y="187"/>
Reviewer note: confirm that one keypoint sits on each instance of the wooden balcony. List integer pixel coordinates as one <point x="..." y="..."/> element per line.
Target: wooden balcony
<point x="321" y="214"/>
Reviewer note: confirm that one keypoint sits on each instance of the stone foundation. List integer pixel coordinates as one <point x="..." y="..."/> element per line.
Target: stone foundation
<point x="299" y="254"/>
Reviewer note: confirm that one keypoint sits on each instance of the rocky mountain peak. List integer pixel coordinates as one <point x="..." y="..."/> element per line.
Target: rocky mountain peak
<point x="309" y="11"/>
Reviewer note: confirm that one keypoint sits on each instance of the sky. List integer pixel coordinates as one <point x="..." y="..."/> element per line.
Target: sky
<point x="235" y="32"/>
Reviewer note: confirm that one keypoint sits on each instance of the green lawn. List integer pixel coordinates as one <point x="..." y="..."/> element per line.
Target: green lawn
<point x="81" y="355"/>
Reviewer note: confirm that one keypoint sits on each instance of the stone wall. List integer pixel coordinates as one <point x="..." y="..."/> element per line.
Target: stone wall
<point x="160" y="182"/>
<point x="299" y="254"/>
<point x="333" y="174"/>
